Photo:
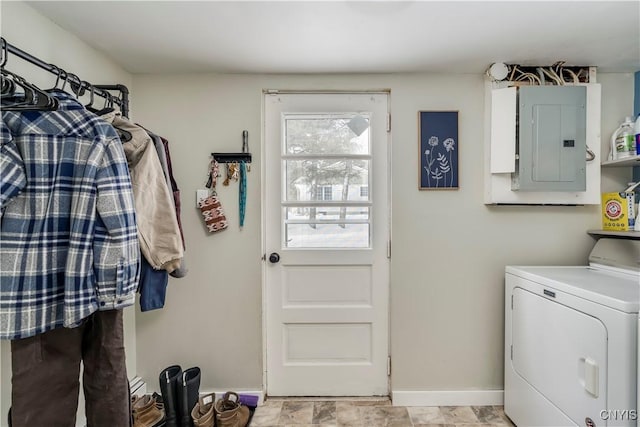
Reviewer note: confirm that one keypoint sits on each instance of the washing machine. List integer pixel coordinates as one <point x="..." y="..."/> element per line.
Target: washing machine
<point x="571" y="340"/>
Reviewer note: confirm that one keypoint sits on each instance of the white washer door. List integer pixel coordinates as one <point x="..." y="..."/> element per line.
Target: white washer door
<point x="562" y="353"/>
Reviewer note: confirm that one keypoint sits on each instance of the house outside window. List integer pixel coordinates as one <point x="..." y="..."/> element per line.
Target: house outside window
<point x="324" y="192"/>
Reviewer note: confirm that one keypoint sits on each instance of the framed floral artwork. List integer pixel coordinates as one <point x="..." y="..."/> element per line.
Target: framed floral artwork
<point x="438" y="133"/>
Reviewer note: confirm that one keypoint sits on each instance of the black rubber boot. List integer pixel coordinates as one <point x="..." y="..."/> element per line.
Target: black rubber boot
<point x="188" y="391"/>
<point x="170" y="380"/>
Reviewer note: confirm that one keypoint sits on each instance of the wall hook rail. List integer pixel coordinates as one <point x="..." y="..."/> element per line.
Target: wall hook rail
<point x="243" y="156"/>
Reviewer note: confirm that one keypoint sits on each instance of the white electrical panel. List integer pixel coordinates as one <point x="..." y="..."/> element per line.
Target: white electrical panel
<point x="551" y="142"/>
<point x="543" y="145"/>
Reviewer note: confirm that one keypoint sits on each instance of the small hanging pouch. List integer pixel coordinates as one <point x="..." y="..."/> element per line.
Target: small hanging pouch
<point x="213" y="214"/>
<point x="211" y="208"/>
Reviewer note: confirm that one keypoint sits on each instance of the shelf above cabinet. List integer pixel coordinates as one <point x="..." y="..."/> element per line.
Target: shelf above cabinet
<point x="631" y="235"/>
<point x="619" y="163"/>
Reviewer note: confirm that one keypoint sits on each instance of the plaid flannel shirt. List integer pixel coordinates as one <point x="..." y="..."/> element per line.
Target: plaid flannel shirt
<point x="68" y="242"/>
<point x="12" y="176"/>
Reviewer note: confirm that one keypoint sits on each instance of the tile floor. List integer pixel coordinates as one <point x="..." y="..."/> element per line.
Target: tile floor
<point x="301" y="412"/>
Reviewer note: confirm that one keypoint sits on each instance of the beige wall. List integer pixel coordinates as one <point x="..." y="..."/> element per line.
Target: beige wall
<point x="449" y="249"/>
<point x="28" y="30"/>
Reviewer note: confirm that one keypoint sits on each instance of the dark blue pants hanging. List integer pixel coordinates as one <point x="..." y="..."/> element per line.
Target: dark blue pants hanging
<point x="153" y="286"/>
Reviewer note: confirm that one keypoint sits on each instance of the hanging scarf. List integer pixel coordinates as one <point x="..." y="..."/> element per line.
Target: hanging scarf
<point x="243" y="191"/>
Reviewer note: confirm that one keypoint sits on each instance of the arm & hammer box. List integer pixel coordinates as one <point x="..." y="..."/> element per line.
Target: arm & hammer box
<point x="618" y="213"/>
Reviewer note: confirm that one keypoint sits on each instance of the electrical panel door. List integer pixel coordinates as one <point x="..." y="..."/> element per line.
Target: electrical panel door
<point x="551" y="139"/>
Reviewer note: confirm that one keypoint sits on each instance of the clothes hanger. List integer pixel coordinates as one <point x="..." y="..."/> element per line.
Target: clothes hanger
<point x="75" y="85"/>
<point x="3" y="52"/>
<point x="13" y="93"/>
<point x="8" y="86"/>
<point x="59" y="76"/>
<point x="106" y="109"/>
<point x="92" y="91"/>
<point x="34" y="98"/>
<point x="125" y="135"/>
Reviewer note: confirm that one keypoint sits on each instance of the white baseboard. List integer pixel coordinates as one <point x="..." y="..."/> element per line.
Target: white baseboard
<point x="447" y="398"/>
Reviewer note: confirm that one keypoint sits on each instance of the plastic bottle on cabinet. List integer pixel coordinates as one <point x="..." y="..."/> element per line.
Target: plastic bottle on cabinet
<point x="623" y="142"/>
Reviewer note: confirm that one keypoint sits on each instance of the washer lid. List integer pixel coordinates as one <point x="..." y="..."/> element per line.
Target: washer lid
<point x="620" y="291"/>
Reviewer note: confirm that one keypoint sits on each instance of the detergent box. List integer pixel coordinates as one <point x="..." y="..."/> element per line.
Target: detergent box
<point x="618" y="213"/>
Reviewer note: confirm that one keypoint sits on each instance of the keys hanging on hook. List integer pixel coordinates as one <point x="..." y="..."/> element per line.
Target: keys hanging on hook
<point x="226" y="180"/>
<point x="214" y="173"/>
<point x="235" y="171"/>
<point x="209" y="183"/>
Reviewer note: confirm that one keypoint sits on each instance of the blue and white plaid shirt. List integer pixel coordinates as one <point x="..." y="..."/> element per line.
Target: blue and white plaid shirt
<point x="68" y="243"/>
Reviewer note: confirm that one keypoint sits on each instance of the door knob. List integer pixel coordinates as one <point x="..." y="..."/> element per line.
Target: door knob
<point x="274" y="258"/>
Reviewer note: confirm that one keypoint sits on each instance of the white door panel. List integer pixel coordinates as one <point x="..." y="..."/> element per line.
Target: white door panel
<point x="331" y="285"/>
<point x="327" y="216"/>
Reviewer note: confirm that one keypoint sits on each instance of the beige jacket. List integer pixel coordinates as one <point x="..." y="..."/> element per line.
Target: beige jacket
<point x="158" y="231"/>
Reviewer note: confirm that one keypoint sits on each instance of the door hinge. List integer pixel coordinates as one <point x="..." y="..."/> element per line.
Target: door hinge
<point x="388" y="122"/>
<point x="511" y="302"/>
<point x="389" y="366"/>
<point x="511" y="352"/>
<point x="389" y="249"/>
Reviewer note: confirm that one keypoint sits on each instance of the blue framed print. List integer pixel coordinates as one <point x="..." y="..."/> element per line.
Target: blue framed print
<point x="438" y="145"/>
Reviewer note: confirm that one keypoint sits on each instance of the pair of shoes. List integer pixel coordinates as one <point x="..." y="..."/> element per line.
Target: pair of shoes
<point x="228" y="412"/>
<point x="145" y="412"/>
<point x="203" y="413"/>
<point x="231" y="413"/>
<point x="180" y="392"/>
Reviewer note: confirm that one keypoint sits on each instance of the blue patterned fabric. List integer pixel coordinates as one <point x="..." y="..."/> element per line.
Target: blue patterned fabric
<point x="69" y="240"/>
<point x="12" y="176"/>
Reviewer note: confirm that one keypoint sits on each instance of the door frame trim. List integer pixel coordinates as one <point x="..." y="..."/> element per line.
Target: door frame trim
<point x="265" y="92"/>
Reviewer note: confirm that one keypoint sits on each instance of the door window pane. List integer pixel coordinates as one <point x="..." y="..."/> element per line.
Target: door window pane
<point x="327" y="235"/>
<point x="327" y="135"/>
<point x="327" y="179"/>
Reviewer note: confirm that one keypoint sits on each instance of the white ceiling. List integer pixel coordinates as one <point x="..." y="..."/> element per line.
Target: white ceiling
<point x="353" y="36"/>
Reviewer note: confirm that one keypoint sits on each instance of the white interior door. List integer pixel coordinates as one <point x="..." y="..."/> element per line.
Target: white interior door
<point x="326" y="241"/>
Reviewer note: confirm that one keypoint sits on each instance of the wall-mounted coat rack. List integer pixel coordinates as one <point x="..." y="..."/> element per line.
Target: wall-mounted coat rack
<point x="77" y="85"/>
<point x="244" y="156"/>
<point x="232" y="157"/>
